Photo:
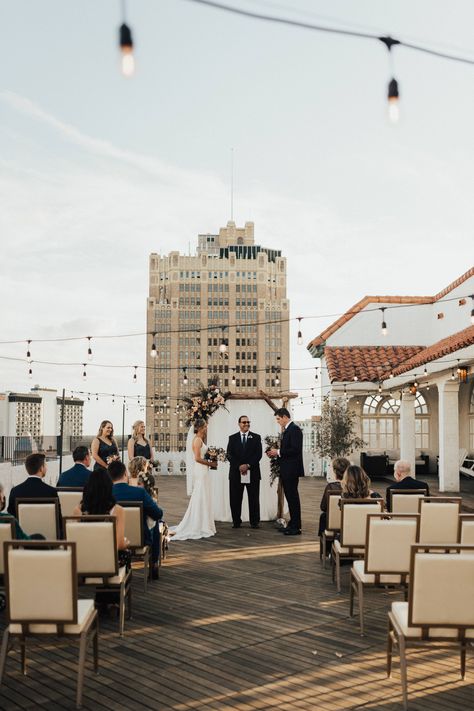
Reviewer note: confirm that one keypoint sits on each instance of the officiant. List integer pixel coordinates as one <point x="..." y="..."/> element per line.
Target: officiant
<point x="244" y="452"/>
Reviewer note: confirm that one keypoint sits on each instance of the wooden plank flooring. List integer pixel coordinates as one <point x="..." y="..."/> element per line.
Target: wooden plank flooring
<point x="245" y="620"/>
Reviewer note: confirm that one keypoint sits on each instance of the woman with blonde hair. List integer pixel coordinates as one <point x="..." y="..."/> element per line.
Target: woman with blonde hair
<point x="356" y="484"/>
<point x="104" y="447"/>
<point x="138" y="445"/>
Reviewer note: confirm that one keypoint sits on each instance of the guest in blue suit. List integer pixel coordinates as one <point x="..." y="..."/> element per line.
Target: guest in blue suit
<point x="78" y="475"/>
<point x="122" y="491"/>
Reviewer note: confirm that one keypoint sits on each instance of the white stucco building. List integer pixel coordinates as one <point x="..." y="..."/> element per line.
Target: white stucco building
<point x="406" y="366"/>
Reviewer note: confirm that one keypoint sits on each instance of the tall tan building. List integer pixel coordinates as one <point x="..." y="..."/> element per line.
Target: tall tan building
<point x="231" y="293"/>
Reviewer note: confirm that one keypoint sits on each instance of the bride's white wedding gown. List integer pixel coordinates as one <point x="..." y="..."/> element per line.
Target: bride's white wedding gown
<point x="198" y="521"/>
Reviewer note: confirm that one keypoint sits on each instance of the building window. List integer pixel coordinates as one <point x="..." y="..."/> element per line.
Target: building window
<point x="381" y="418"/>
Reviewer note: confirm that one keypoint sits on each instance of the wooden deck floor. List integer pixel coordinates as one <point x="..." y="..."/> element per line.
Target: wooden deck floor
<point x="246" y="620"/>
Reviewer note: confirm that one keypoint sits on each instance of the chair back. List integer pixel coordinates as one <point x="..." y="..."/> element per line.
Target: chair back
<point x="354" y="519"/>
<point x="134" y="530"/>
<point x="466" y="529"/>
<point x="69" y="498"/>
<point x="7" y="533"/>
<point x="405" y="501"/>
<point x="389" y="538"/>
<point x="439" y="521"/>
<point x="41" y="582"/>
<point x="40" y="515"/>
<point x="96" y="544"/>
<point x="334" y="512"/>
<point x="441" y="587"/>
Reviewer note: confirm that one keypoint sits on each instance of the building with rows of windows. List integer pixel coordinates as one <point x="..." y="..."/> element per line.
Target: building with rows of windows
<point x="231" y="293"/>
<point x="405" y="364"/>
<point x="38" y="413"/>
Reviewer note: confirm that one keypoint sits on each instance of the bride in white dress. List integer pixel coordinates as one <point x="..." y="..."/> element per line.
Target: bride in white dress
<point x="198" y="521"/>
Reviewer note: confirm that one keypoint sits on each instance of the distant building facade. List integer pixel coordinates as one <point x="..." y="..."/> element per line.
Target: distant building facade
<point x="38" y="413"/>
<point x="230" y="292"/>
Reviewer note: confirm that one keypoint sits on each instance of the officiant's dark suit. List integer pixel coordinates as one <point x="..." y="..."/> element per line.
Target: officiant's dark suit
<point x="244" y="448"/>
<point x="291" y="467"/>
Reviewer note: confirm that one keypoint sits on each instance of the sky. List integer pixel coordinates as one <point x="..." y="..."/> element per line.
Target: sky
<point x="98" y="171"/>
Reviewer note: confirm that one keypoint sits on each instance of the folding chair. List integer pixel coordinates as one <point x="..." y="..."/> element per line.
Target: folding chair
<point x="7" y="533"/>
<point x="333" y="524"/>
<point x="466" y="529"/>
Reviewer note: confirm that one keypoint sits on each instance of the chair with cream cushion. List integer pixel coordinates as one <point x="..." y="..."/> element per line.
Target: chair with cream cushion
<point x="439" y="519"/>
<point x="7" y="533"/>
<point x="40" y="515"/>
<point x="69" y="498"/>
<point x="439" y="607"/>
<point x="387" y="556"/>
<point x="133" y="511"/>
<point x="97" y="559"/>
<point x="333" y="523"/>
<point x="353" y="532"/>
<point x="405" y="501"/>
<point x="466" y="529"/>
<point x="41" y="582"/>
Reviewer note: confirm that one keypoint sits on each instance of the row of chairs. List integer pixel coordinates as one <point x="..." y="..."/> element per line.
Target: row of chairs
<point x="428" y="553"/>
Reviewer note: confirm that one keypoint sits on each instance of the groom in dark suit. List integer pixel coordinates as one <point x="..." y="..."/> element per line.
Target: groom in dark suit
<point x="244" y="452"/>
<point x="290" y="457"/>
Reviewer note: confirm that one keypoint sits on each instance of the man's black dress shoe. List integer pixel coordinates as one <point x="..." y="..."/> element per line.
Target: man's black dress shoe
<point x="154" y="573"/>
<point x="292" y="532"/>
<point x="255" y="525"/>
<point x="236" y="525"/>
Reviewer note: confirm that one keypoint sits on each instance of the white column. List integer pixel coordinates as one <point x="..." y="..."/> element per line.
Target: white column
<point x="407" y="429"/>
<point x="448" y="435"/>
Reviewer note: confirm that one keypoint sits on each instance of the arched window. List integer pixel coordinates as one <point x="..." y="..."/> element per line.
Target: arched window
<point x="381" y="418"/>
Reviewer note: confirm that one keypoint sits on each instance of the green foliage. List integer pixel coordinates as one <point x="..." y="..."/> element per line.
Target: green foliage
<point x="336" y="436"/>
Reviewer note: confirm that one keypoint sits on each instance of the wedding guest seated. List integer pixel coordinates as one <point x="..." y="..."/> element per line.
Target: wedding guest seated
<point x="356" y="484"/>
<point x="77" y="475"/>
<point x="124" y="492"/>
<point x="33" y="487"/>
<point x="98" y="500"/>
<point x="339" y="466"/>
<point x="20" y="535"/>
<point x="404" y="480"/>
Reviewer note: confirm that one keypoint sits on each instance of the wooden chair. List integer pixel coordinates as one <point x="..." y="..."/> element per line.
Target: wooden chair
<point x="387" y="556"/>
<point x="69" y="498"/>
<point x="134" y="532"/>
<point x="405" y="501"/>
<point x="41" y="582"/>
<point x="7" y="533"/>
<point x="40" y="515"/>
<point x="333" y="524"/>
<point x="434" y="612"/>
<point x="97" y="559"/>
<point x="466" y="530"/>
<point x="439" y="522"/>
<point x="353" y="530"/>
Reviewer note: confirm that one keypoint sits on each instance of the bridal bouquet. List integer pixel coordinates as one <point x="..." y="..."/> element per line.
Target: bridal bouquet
<point x="216" y="454"/>
<point x="273" y="442"/>
<point x="202" y="404"/>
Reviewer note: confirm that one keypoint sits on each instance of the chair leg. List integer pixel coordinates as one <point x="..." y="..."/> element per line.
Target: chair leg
<point x="3" y="653"/>
<point x="333" y="555"/>
<point x="360" y="594"/>
<point x="128" y="601"/>
<point x="146" y="570"/>
<point x="337" y="563"/>
<point x="122" y="610"/>
<point x="351" y="596"/>
<point x="95" y="645"/>
<point x="463" y="659"/>
<point x="389" y="650"/>
<point x="23" y="655"/>
<point x="80" y="671"/>
<point x="321" y="547"/>
<point x="403" y="671"/>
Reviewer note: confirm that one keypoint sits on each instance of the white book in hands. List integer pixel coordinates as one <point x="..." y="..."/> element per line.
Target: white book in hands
<point x="245" y="478"/>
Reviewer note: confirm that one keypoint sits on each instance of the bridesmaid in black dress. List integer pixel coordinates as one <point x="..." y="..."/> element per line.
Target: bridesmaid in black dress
<point x="138" y="445"/>
<point x="104" y="447"/>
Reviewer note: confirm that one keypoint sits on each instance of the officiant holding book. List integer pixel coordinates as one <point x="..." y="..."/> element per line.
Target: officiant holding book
<point x="244" y="452"/>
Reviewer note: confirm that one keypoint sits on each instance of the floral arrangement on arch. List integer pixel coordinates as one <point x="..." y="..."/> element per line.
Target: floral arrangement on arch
<point x="202" y="404"/>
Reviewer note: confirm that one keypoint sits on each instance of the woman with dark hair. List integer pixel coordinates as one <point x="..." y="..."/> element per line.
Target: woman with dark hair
<point x="98" y="500"/>
<point x="104" y="447"/>
<point x="339" y="466"/>
<point x="356" y="484"/>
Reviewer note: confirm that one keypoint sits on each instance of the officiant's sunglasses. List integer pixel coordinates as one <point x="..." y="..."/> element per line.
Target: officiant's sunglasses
<point x="244" y="422"/>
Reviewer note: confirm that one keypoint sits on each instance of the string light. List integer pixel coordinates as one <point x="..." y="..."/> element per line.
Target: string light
<point x="126" y="47"/>
<point x="415" y="383"/>
<point x="233" y="381"/>
<point x="135" y="375"/>
<point x="89" y="349"/>
<point x="355" y="378"/>
<point x="425" y="371"/>
<point x="153" y="351"/>
<point x="277" y="379"/>
<point x="316" y="374"/>
<point x="84" y="373"/>
<point x="299" y="339"/>
<point x="223" y="344"/>
<point x="380" y="388"/>
<point x="185" y="377"/>
<point x="30" y="372"/>
<point x="28" y="354"/>
<point x="384" y="324"/>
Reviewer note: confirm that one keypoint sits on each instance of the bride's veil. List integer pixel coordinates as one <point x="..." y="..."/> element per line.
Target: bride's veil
<point x="189" y="461"/>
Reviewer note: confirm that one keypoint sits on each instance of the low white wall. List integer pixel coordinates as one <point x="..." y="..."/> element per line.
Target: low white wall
<point x="11" y="475"/>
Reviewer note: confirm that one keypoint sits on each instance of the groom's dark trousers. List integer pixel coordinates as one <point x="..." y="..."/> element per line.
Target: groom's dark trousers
<point x="250" y="454"/>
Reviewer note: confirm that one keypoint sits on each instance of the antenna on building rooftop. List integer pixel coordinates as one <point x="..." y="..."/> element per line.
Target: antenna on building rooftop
<point x="232" y="184"/>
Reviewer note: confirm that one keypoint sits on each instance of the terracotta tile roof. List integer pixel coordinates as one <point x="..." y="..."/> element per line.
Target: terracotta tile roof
<point x="361" y="305"/>
<point x="448" y="345"/>
<point x="367" y="363"/>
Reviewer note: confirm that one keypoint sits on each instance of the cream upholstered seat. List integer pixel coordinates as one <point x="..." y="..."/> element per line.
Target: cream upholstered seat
<point x="133" y="511"/>
<point x="439" y="522"/>
<point x="7" y="533"/>
<point x="405" y="501"/>
<point x="387" y="556"/>
<point x="333" y="523"/>
<point x="466" y="529"/>
<point x="69" y="498"/>
<point x="97" y="560"/>
<point x="439" y="607"/>
<point x="41" y="581"/>
<point x="39" y="516"/>
<point x="353" y="532"/>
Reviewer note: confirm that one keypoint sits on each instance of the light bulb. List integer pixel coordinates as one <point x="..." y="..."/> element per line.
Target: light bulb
<point x="126" y="48"/>
<point x="299" y="339"/>
<point x="393" y="96"/>
<point x="153" y="351"/>
<point x="30" y="373"/>
<point x="384" y="328"/>
<point x="223" y="347"/>
<point x="89" y="349"/>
